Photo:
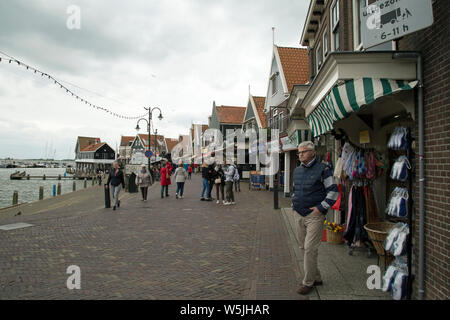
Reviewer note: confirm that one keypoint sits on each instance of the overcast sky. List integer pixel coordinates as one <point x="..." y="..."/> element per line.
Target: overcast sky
<point x="178" y="55"/>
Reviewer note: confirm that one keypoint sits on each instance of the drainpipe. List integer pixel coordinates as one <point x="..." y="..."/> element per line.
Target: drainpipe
<point x="418" y="56"/>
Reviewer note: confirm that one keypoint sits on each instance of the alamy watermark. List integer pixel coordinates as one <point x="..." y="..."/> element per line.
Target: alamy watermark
<point x="74" y="19"/>
<point x="74" y="280"/>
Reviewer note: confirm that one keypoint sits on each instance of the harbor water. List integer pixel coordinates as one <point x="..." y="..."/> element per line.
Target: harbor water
<point x="29" y="189"/>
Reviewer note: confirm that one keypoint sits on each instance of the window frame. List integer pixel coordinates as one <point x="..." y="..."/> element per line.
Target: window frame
<point x="334" y="26"/>
<point x="319" y="56"/>
<point x="325" y="43"/>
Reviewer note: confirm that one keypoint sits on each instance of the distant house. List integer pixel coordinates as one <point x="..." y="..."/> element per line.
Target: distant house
<point x="140" y="145"/>
<point x="93" y="155"/>
<point x="254" y="116"/>
<point x="125" y="148"/>
<point x="289" y="75"/>
<point x="226" y="118"/>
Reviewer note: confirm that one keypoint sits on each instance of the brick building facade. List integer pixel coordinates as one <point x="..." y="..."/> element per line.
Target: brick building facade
<point x="434" y="44"/>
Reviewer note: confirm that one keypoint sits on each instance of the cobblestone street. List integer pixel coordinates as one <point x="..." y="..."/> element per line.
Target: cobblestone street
<point x="162" y="249"/>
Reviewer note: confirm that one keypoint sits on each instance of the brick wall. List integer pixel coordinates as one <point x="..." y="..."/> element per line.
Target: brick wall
<point x="434" y="44"/>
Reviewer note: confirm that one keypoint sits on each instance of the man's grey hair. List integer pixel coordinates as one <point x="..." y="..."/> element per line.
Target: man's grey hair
<point x="307" y="144"/>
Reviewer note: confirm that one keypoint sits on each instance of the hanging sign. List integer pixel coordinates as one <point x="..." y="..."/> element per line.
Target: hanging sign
<point x="364" y="137"/>
<point x="387" y="20"/>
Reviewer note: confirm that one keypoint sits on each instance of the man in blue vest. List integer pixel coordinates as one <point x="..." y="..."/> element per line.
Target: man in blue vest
<point x="315" y="191"/>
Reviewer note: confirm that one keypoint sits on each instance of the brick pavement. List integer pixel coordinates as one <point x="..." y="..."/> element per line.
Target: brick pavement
<point x="162" y="249"/>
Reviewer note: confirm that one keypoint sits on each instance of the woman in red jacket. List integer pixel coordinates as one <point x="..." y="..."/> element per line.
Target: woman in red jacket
<point x="165" y="179"/>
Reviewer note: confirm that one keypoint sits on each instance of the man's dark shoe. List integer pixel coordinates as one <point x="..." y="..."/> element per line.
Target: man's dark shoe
<point x="202" y="199"/>
<point x="114" y="208"/>
<point x="304" y="289"/>
<point x="318" y="283"/>
<point x="118" y="204"/>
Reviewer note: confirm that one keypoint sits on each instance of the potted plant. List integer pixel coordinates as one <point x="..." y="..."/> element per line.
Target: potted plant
<point x="334" y="232"/>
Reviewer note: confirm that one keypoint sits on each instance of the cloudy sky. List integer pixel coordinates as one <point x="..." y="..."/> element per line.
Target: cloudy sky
<point x="179" y="55"/>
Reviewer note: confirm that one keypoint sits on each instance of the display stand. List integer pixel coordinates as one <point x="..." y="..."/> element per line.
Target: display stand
<point x="408" y="219"/>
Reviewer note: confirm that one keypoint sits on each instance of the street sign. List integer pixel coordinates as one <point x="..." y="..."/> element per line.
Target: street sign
<point x="387" y="20"/>
<point x="148" y="153"/>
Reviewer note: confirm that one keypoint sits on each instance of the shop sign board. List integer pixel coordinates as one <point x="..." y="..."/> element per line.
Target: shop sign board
<point x="387" y="20"/>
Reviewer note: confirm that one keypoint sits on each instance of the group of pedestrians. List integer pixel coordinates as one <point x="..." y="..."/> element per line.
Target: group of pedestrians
<point x="223" y="179"/>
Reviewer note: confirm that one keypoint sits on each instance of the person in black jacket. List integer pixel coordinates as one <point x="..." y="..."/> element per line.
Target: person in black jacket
<point x="117" y="181"/>
<point x="220" y="186"/>
<point x="210" y="177"/>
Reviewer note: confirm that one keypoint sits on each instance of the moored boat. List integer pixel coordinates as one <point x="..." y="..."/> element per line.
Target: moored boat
<point x="17" y="175"/>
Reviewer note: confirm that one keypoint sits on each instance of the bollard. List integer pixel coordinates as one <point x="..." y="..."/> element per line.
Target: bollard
<point x="93" y="180"/>
<point x="74" y="186"/>
<point x="28" y="177"/>
<point x="59" y="189"/>
<point x="43" y="177"/>
<point x="54" y="190"/>
<point x="107" y="197"/>
<point x="41" y="192"/>
<point x="275" y="194"/>
<point x="15" y="198"/>
<point x="85" y="183"/>
<point x="59" y="177"/>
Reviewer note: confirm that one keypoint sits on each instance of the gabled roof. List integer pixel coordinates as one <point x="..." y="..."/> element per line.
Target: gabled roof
<point x="171" y="143"/>
<point x="83" y="142"/>
<point x="231" y="115"/>
<point x="125" y="140"/>
<point x="144" y="139"/>
<point x="295" y="65"/>
<point x="93" y="147"/>
<point x="259" y="103"/>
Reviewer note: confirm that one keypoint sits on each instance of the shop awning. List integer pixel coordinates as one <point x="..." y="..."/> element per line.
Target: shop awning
<point x="349" y="97"/>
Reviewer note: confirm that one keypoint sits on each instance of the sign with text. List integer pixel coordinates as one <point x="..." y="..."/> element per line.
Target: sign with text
<point x="387" y="20"/>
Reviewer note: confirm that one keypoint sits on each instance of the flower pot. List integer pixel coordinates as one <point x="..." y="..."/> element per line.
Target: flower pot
<point x="334" y="237"/>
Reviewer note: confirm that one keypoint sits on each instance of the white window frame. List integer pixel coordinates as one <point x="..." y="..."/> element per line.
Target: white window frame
<point x="319" y="56"/>
<point x="334" y="24"/>
<point x="325" y="44"/>
<point x="273" y="84"/>
<point x="280" y="121"/>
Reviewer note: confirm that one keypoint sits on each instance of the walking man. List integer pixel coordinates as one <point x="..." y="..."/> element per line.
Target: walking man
<point x="117" y="180"/>
<point x="315" y="191"/>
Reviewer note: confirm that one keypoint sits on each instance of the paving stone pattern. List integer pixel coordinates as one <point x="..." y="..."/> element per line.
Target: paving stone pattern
<point x="161" y="249"/>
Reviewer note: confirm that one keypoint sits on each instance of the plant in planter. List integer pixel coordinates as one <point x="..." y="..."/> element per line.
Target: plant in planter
<point x="334" y="232"/>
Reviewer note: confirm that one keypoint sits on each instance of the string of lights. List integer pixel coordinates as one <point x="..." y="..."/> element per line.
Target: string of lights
<point x="12" y="60"/>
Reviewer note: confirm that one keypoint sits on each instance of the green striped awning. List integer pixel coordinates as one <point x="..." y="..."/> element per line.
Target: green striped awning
<point x="349" y="97"/>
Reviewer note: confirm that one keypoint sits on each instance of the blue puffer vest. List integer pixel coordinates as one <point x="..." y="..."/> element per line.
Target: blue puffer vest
<point x="309" y="190"/>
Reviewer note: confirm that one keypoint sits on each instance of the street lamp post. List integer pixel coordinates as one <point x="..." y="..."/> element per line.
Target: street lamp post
<point x="149" y="122"/>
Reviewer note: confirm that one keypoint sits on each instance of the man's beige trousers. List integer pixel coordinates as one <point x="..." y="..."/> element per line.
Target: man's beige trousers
<point x="310" y="230"/>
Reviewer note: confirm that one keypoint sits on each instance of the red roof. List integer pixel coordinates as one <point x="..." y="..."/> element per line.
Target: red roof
<point x="144" y="138"/>
<point x="125" y="140"/>
<point x="83" y="142"/>
<point x="259" y="102"/>
<point x="171" y="143"/>
<point x="93" y="147"/>
<point x="228" y="114"/>
<point x="295" y="64"/>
